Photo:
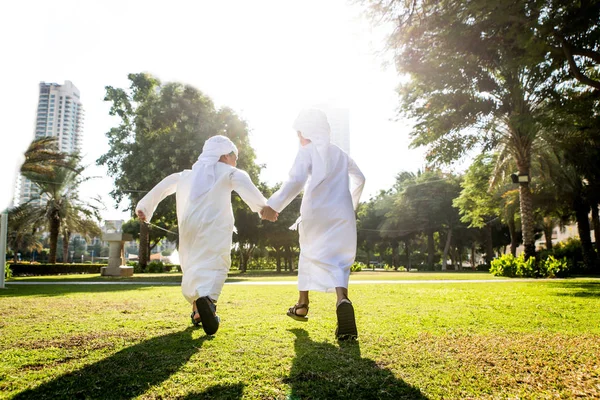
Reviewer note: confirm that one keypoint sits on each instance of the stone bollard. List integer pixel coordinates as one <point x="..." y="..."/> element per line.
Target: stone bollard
<point x="111" y="233"/>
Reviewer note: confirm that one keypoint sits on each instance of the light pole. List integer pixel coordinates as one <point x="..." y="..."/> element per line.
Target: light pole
<point x="3" y="231"/>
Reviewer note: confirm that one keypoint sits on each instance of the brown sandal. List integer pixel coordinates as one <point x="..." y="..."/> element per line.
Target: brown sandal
<point x="293" y="312"/>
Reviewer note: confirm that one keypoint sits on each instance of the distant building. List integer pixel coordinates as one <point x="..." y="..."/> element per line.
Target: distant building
<point x="59" y="114"/>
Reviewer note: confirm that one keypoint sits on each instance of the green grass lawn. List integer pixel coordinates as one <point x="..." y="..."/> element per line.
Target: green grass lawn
<point x="236" y="276"/>
<point x="526" y="340"/>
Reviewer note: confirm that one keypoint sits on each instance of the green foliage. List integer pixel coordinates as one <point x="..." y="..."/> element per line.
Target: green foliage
<point x="357" y="266"/>
<point x="156" y="266"/>
<point x="7" y="271"/>
<point x="553" y="268"/>
<point x="511" y="266"/>
<point x="36" y="269"/>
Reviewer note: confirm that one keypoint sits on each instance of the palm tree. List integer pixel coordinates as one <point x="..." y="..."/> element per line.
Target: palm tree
<point x="22" y="225"/>
<point x="42" y="156"/>
<point x="63" y="207"/>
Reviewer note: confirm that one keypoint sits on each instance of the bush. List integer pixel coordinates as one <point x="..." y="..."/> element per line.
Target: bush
<point x="7" y="271"/>
<point x="356" y="267"/>
<point x="156" y="267"/>
<point x="511" y="266"/>
<point x="54" y="269"/>
<point x="553" y="268"/>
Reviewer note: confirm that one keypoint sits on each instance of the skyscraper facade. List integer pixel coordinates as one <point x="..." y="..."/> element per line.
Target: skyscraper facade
<point x="59" y="114"/>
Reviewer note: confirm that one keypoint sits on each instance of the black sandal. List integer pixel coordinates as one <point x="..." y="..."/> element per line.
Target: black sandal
<point x="208" y="315"/>
<point x="346" y="323"/>
<point x="293" y="312"/>
<point x="194" y="322"/>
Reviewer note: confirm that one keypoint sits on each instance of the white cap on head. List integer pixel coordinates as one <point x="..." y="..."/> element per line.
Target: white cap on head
<point x="313" y="125"/>
<point x="204" y="168"/>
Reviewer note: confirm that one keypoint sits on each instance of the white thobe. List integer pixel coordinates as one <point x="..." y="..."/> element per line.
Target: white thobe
<point x="205" y="225"/>
<point x="328" y="224"/>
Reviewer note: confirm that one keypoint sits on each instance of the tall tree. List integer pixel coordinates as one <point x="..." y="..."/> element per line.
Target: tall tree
<point x="162" y="130"/>
<point x="474" y="81"/>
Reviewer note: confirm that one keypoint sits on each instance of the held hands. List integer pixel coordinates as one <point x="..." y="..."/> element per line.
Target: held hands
<point x="269" y="214"/>
<point x="141" y="215"/>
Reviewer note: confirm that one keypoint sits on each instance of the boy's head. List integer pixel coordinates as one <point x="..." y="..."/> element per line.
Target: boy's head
<point x="229" y="159"/>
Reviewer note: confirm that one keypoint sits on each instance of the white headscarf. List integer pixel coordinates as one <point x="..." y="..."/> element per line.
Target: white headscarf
<point x="313" y="125"/>
<point x="204" y="169"/>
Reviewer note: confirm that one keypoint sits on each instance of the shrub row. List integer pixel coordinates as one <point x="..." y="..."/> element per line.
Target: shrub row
<point x="511" y="266"/>
<point x="54" y="269"/>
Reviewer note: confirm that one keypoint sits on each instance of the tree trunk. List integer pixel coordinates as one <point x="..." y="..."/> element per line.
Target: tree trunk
<point x="54" y="230"/>
<point x="430" y="248"/>
<point x="583" y="227"/>
<point x="395" y="256"/>
<point x="548" y="228"/>
<point x="489" y="246"/>
<point x="596" y="224"/>
<point x="527" y="221"/>
<point x="512" y="229"/>
<point x="278" y="260"/>
<point x="473" y="265"/>
<point x="446" y="248"/>
<point x="144" y="253"/>
<point x="65" y="246"/>
<point x="459" y="258"/>
<point x="407" y="246"/>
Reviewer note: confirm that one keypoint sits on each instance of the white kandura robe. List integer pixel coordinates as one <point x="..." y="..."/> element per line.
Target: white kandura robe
<point x="328" y="224"/>
<point x="205" y="225"/>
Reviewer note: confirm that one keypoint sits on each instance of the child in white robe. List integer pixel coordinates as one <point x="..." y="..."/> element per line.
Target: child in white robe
<point x="327" y="225"/>
<point x="205" y="220"/>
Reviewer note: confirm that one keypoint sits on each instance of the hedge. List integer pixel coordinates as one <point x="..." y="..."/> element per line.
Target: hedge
<point x="54" y="269"/>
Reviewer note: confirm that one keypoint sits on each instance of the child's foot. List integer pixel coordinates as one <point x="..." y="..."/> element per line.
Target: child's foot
<point x="298" y="312"/>
<point x="208" y="314"/>
<point x="196" y="318"/>
<point x="346" y="323"/>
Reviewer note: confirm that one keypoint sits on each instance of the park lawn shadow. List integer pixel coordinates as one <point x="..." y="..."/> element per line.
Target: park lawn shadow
<point x="325" y="371"/>
<point x="579" y="289"/>
<point x="42" y="290"/>
<point x="224" y="392"/>
<point x="126" y="374"/>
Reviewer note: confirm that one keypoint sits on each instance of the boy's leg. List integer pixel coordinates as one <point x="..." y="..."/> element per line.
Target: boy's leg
<point x="346" y="322"/>
<point x="299" y="311"/>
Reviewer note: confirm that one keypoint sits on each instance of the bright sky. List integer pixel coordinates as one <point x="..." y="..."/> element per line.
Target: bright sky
<point x="264" y="59"/>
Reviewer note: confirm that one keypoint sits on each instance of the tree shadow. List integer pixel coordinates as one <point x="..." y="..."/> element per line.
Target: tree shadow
<point x="44" y="290"/>
<point x="325" y="371"/>
<point x="579" y="289"/>
<point x="224" y="392"/>
<point x="126" y="374"/>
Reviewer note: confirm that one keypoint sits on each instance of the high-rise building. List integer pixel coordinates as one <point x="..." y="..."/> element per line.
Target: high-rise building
<point x="339" y="122"/>
<point x="59" y="114"/>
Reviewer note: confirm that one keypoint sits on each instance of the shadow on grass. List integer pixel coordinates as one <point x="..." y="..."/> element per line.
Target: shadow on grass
<point x="579" y="289"/>
<point x="126" y="374"/>
<point x="224" y="392"/>
<point x="325" y="371"/>
<point x="42" y="290"/>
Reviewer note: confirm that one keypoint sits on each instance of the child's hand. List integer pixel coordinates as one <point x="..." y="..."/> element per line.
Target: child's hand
<point x="269" y="214"/>
<point x="141" y="215"/>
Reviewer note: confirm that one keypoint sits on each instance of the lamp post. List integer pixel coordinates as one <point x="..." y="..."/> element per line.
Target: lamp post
<point x="3" y="231"/>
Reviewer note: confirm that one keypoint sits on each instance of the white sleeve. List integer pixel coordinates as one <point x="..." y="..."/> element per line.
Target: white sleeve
<point x="242" y="184"/>
<point x="150" y="201"/>
<point x="357" y="182"/>
<point x="293" y="186"/>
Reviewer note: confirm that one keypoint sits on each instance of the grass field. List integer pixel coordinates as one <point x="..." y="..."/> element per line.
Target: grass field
<point x="526" y="340"/>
